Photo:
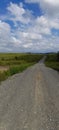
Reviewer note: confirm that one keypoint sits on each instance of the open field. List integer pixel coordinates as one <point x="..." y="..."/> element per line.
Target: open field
<point x="52" y="61"/>
<point x="13" y="63"/>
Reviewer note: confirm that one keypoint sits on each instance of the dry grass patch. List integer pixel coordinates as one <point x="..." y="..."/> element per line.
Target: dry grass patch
<point x="4" y="68"/>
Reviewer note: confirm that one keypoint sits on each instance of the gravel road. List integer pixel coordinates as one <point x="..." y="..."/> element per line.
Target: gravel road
<point x="30" y="100"/>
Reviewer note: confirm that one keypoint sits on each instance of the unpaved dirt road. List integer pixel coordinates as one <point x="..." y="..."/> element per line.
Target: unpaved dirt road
<point x="30" y="100"/>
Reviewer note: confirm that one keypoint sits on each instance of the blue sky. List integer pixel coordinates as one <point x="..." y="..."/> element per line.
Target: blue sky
<point x="29" y="26"/>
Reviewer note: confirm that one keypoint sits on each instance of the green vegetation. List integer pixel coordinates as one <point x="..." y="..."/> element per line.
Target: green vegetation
<point x="58" y="56"/>
<point x="52" y="61"/>
<point x="16" y="63"/>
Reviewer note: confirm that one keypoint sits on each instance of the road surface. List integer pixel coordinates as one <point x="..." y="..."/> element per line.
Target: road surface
<point x="30" y="100"/>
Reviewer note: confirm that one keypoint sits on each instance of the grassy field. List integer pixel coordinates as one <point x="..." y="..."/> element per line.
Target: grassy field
<point x="52" y="61"/>
<point x="15" y="63"/>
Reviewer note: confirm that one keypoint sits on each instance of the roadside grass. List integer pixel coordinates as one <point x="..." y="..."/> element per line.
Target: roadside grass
<point x="13" y="70"/>
<point x="51" y="61"/>
<point x="19" y="68"/>
<point x="17" y="63"/>
<point x="54" y="65"/>
<point x="3" y="76"/>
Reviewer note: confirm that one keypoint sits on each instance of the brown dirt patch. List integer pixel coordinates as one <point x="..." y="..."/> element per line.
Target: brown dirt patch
<point x="4" y="68"/>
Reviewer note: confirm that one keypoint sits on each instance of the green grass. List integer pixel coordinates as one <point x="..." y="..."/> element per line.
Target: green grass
<point x="11" y="59"/>
<point x="52" y="62"/>
<point x="54" y="65"/>
<point x="3" y="76"/>
<point x="17" y="63"/>
<point x="17" y="69"/>
<point x="13" y="70"/>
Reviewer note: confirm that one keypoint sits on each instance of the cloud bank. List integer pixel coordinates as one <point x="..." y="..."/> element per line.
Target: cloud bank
<point x="30" y="33"/>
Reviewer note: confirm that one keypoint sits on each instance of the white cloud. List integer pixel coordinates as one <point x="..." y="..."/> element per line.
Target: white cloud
<point x="51" y="12"/>
<point x="16" y="42"/>
<point x="4" y="33"/>
<point x="50" y="7"/>
<point x="4" y="28"/>
<point x="30" y="39"/>
<point x="51" y="2"/>
<point x="47" y="23"/>
<point x="28" y="45"/>
<point x="42" y="25"/>
<point x="19" y="14"/>
<point x="36" y="36"/>
<point x="16" y="10"/>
